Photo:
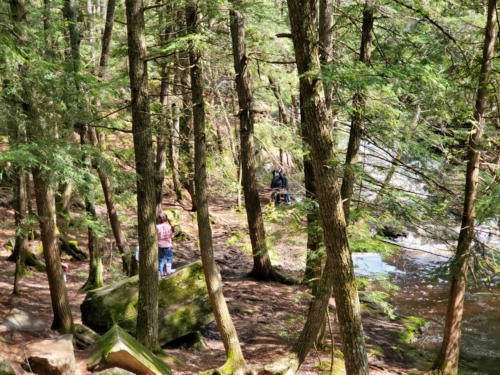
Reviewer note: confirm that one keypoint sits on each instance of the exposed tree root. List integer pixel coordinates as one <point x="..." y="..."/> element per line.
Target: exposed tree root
<point x="277" y="276"/>
<point x="71" y="249"/>
<point x="83" y="336"/>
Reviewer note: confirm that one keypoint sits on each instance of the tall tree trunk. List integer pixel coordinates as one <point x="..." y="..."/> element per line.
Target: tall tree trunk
<point x="262" y="268"/>
<point x="121" y="241"/>
<point x="45" y="202"/>
<point x="94" y="279"/>
<point x="174" y="150"/>
<point x="147" y="309"/>
<point x="161" y="141"/>
<point x="313" y="259"/>
<point x="358" y="104"/>
<point x="235" y="358"/>
<point x="276" y="90"/>
<point x="63" y="318"/>
<point x="302" y="20"/>
<point x="325" y="46"/>
<point x="447" y="360"/>
<point x="188" y="134"/>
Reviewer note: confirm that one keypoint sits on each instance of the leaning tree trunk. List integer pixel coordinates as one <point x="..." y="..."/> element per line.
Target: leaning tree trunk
<point x="63" y="318"/>
<point x="147" y="307"/>
<point x="121" y="241"/>
<point x="302" y="20"/>
<point x="45" y="202"/>
<point x="447" y="360"/>
<point x="229" y="337"/>
<point x="358" y="104"/>
<point x="262" y="268"/>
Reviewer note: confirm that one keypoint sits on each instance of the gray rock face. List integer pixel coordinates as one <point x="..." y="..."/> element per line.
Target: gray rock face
<point x="183" y="305"/>
<point x="19" y="320"/>
<point x="5" y="367"/>
<point x="52" y="356"/>
<point x="118" y="349"/>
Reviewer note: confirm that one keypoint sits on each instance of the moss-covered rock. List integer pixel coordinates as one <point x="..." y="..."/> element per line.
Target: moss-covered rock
<point x="118" y="349"/>
<point x="5" y="367"/>
<point x="183" y="304"/>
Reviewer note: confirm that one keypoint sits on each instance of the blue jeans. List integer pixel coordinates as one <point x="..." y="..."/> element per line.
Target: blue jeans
<point x="165" y="255"/>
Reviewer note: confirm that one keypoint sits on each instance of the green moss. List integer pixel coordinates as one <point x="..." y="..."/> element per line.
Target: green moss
<point x="183" y="304"/>
<point x="116" y="339"/>
<point x="374" y="350"/>
<point x="39" y="247"/>
<point x="338" y="364"/>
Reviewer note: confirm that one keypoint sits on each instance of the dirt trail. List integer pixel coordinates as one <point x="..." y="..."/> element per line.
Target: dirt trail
<point x="268" y="316"/>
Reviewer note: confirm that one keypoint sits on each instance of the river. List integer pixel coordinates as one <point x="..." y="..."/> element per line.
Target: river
<point x="424" y="295"/>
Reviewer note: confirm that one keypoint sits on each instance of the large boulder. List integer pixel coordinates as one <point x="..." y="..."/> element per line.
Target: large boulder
<point x="183" y="304"/>
<point x="5" y="367"/>
<point x="20" y="320"/>
<point x="52" y="356"/>
<point x="118" y="349"/>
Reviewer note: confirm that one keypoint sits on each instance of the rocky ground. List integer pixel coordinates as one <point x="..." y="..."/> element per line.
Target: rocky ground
<point x="268" y="316"/>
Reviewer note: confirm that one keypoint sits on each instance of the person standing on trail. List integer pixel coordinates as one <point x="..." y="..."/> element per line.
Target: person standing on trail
<point x="280" y="181"/>
<point x="165" y="232"/>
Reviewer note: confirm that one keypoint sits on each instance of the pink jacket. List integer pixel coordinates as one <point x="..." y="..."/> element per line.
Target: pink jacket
<point x="165" y="234"/>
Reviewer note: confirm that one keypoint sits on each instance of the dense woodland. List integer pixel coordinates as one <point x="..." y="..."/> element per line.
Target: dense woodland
<point x="384" y="114"/>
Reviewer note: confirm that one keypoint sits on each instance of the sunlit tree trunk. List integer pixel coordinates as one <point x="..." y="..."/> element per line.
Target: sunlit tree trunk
<point x="358" y="109"/>
<point x="302" y="20"/>
<point x="447" y="360"/>
<point x="229" y="337"/>
<point x="262" y="268"/>
<point x="147" y="307"/>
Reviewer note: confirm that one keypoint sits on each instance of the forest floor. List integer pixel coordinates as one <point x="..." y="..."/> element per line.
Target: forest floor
<point x="268" y="316"/>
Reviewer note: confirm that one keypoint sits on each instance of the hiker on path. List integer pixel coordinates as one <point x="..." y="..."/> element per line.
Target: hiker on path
<point x="165" y="232"/>
<point x="279" y="181"/>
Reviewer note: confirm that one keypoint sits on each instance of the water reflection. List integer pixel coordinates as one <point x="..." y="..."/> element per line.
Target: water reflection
<point x="424" y="295"/>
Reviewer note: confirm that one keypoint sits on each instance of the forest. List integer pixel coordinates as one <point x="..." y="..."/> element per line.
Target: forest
<point x="380" y="120"/>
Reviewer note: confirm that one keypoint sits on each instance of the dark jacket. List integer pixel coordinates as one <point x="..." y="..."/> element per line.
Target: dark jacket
<point x="277" y="181"/>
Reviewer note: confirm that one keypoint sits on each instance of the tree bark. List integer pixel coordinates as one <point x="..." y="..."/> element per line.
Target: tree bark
<point x="147" y="310"/>
<point x="358" y="104"/>
<point x="313" y="259"/>
<point x="262" y="268"/>
<point x="94" y="279"/>
<point x="161" y="141"/>
<point x="188" y="134"/>
<point x="235" y="358"/>
<point x="63" y="318"/>
<point x="447" y="359"/>
<point x="302" y="20"/>
<point x="121" y="241"/>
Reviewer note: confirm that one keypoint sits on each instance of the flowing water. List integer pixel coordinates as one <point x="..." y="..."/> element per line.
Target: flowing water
<point x="425" y="295"/>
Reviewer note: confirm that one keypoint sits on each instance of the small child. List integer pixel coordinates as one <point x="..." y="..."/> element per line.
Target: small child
<point x="65" y="268"/>
<point x="165" y="232"/>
